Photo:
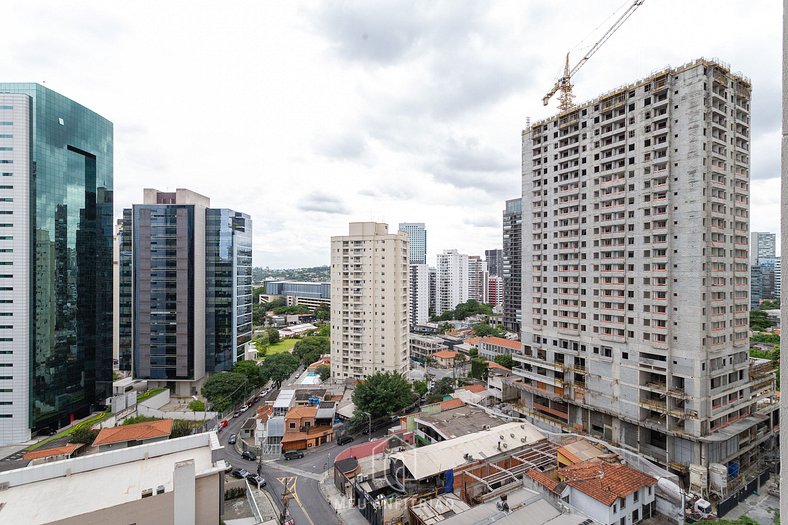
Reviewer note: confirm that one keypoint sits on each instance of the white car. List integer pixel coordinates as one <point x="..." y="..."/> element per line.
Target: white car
<point x="244" y="408"/>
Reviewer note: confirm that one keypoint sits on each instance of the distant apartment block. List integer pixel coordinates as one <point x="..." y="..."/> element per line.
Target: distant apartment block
<point x="419" y="295"/>
<point x="188" y="286"/>
<point x="417" y="238"/>
<point x="494" y="260"/>
<point x="477" y="278"/>
<point x="762" y="245"/>
<point x="636" y="276"/>
<point x="311" y="295"/>
<point x="423" y="346"/>
<point x="451" y="281"/>
<point x="369" y="301"/>
<point x="494" y="291"/>
<point x="512" y="264"/>
<point x="56" y="254"/>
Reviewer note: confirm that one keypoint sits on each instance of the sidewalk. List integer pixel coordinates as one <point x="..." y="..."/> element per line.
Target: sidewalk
<point x="348" y="515"/>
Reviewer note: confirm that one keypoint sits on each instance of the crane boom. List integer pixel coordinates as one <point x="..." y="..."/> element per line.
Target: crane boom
<point x="564" y="84"/>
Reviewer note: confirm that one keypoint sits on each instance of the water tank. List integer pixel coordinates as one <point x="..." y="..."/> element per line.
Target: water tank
<point x="718" y="478"/>
<point x="699" y="478"/>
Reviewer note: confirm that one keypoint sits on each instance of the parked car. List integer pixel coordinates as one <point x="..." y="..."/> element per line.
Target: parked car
<point x="228" y="469"/>
<point x="293" y="454"/>
<point x="223" y="423"/>
<point x="233" y="439"/>
<point x="240" y="473"/>
<point x="343" y="440"/>
<point x="237" y="413"/>
<point x="249" y="455"/>
<point x="255" y="479"/>
<point x="244" y="408"/>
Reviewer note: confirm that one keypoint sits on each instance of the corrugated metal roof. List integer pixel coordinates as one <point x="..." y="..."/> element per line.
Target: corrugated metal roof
<point x="436" y="458"/>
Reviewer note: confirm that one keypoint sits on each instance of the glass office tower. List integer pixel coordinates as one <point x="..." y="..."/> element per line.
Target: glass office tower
<point x="56" y="260"/>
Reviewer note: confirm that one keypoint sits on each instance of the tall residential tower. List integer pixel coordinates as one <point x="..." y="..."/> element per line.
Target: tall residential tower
<point x="635" y="294"/>
<point x="369" y="301"/>
<point x="513" y="247"/>
<point x="56" y="250"/>
<point x="451" y="281"/>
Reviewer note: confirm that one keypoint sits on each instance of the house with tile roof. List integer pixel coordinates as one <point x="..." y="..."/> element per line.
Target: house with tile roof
<point x="37" y="457"/>
<point x="112" y="438"/>
<point x="304" y="429"/>
<point x="610" y="493"/>
<point x="444" y="358"/>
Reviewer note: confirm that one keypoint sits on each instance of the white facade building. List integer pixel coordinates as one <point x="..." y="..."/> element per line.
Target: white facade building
<point x="451" y="282"/>
<point x="477" y="278"/>
<point x="417" y="239"/>
<point x="369" y="301"/>
<point x="419" y="294"/>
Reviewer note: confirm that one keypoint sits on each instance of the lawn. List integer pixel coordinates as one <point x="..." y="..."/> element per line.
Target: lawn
<point x="285" y="345"/>
<point x="88" y="422"/>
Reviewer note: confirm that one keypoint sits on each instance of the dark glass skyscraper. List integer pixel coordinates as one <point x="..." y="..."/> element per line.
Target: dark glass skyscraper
<point x="56" y="260"/>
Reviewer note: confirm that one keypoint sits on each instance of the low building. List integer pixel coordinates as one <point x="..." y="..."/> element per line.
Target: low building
<point x="37" y="457"/>
<point x="296" y="330"/>
<point x="303" y="429"/>
<point x="124" y="436"/>
<point x="475" y="394"/>
<point x="490" y="347"/>
<point x="284" y="402"/>
<point x="444" y="358"/>
<point x="452" y="423"/>
<point x="296" y="293"/>
<point x="177" y="481"/>
<point x="610" y="493"/>
<point x="424" y="346"/>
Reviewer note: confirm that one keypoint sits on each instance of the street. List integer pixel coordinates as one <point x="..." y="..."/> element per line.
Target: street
<point x="301" y="476"/>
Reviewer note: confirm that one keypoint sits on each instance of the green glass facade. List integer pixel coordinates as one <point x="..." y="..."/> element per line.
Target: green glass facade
<point x="70" y="221"/>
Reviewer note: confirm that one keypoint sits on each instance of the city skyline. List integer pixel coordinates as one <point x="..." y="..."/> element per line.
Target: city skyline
<point x="429" y="140"/>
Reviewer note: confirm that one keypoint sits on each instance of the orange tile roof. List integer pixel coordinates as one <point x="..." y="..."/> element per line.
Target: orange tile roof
<point x="264" y="412"/>
<point x="445" y="354"/>
<point x="452" y="403"/>
<point x="543" y="479"/>
<point x="473" y="340"/>
<point x="605" y="482"/>
<point x="137" y="432"/>
<point x="475" y="388"/>
<point x="493" y="364"/>
<point x="500" y="341"/>
<point x="301" y="412"/>
<point x="65" y="450"/>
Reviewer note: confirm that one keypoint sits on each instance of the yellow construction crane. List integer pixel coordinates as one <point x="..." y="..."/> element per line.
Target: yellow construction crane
<point x="564" y="83"/>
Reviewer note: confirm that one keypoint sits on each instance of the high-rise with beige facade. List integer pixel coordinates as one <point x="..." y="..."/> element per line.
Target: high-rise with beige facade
<point x="369" y="301"/>
<point x="635" y="271"/>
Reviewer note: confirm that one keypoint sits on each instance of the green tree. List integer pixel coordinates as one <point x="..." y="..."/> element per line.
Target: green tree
<point x="251" y="371"/>
<point x="420" y="388"/>
<point x="324" y="371"/>
<point x="382" y="394"/>
<point x="444" y="327"/>
<point x="765" y="338"/>
<point x="279" y="367"/>
<point x="473" y="352"/>
<point x="485" y="330"/>
<point x="225" y="389"/>
<point x="323" y="313"/>
<point x="505" y="360"/>
<point x="442" y="388"/>
<point x="759" y="321"/>
<point x="196" y="405"/>
<point x="83" y="434"/>
<point x="324" y="330"/>
<point x="310" y="348"/>
<point x="479" y="368"/>
<point x="770" y="305"/>
<point x="273" y="335"/>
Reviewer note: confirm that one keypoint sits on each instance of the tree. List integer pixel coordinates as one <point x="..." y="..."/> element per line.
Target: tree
<point x="261" y="342"/>
<point x="324" y="330"/>
<point x="251" y="371"/>
<point x="382" y="394"/>
<point x="485" y="330"/>
<point x="759" y="321"/>
<point x="770" y="305"/>
<point x="457" y="362"/>
<point x="444" y="327"/>
<point x="257" y="291"/>
<point x="324" y="371"/>
<point x="505" y="360"/>
<point x="310" y="348"/>
<point x="273" y="335"/>
<point x="180" y="428"/>
<point x="225" y="389"/>
<point x="83" y="434"/>
<point x="279" y="367"/>
<point x="420" y="388"/>
<point x="196" y="405"/>
<point x="479" y="368"/>
<point x="473" y="352"/>
<point x="323" y="313"/>
<point x="442" y="388"/>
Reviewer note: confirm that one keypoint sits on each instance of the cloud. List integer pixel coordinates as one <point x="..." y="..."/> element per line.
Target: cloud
<point x="322" y="203"/>
<point x="347" y="146"/>
<point x="483" y="221"/>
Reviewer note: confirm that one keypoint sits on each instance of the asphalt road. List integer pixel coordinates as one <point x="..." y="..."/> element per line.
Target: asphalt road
<point x="300" y="476"/>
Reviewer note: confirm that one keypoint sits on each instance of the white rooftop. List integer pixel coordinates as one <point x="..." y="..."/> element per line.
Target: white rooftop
<point x="433" y="459"/>
<point x="284" y="398"/>
<point x="62" y="489"/>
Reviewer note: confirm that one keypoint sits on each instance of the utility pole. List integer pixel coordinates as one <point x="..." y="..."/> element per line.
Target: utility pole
<point x="284" y="517"/>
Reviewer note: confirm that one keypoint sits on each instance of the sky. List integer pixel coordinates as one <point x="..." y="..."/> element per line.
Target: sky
<point x="310" y="115"/>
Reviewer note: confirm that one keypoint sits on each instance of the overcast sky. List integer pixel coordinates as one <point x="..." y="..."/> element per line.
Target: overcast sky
<point x="310" y="115"/>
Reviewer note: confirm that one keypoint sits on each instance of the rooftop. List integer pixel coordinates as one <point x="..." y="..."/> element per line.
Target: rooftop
<point x="436" y="458"/>
<point x="135" y="432"/>
<point x="50" y="452"/>
<point x="119" y="476"/>
<point x="445" y="354"/>
<point x="581" y="450"/>
<point x="459" y="421"/>
<point x="301" y="412"/>
<point x="284" y="398"/>
<point x="476" y="388"/>
<point x="500" y="341"/>
<point x="605" y="482"/>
